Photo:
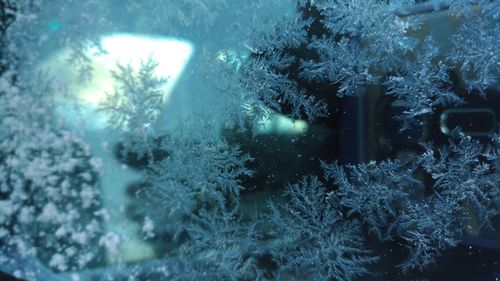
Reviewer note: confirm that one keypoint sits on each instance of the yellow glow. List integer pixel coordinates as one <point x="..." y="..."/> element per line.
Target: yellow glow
<point x="281" y="125"/>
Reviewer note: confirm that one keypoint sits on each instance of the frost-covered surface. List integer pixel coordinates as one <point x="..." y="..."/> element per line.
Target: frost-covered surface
<point x="180" y="189"/>
<point x="201" y="174"/>
<point x="136" y="104"/>
<point x="312" y="239"/>
<point x="421" y="87"/>
<point x="50" y="205"/>
<point x="374" y="191"/>
<point x="384" y="197"/>
<point x="464" y="174"/>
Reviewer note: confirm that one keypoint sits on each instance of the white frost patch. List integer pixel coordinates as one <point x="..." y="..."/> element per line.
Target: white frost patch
<point x="49" y="213"/>
<point x="111" y="242"/>
<point x="148" y="228"/>
<point x="88" y="196"/>
<point x="58" y="261"/>
<point x="79" y="237"/>
<point x="6" y="210"/>
<point x="103" y="213"/>
<point x="18" y="273"/>
<point x="96" y="163"/>
<point x="25" y="215"/>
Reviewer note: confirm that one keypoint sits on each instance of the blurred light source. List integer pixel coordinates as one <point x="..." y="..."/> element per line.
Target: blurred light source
<point x="171" y="54"/>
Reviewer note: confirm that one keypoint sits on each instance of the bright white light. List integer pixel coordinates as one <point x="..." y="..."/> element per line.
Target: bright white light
<point x="281" y="125"/>
<point x="171" y="54"/>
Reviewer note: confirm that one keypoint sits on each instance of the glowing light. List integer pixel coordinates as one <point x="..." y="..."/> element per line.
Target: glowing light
<point x="281" y="125"/>
<point x="171" y="54"/>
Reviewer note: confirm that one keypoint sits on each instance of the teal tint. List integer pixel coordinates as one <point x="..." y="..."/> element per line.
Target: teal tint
<point x="54" y="24"/>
